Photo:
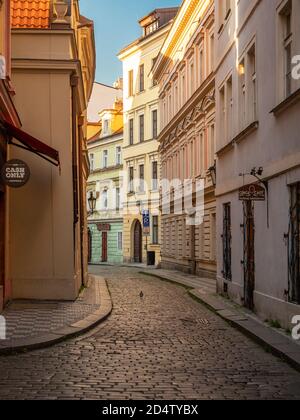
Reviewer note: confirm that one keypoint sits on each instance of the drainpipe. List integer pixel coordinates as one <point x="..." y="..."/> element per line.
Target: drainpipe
<point x="74" y="84"/>
<point x="81" y="204"/>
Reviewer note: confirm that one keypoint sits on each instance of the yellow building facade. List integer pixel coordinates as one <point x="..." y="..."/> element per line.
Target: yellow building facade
<point x="105" y="183"/>
<point x="140" y="147"/>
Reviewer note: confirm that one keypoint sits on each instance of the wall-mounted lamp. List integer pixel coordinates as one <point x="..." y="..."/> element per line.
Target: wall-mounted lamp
<point x="92" y="202"/>
<point x="241" y="69"/>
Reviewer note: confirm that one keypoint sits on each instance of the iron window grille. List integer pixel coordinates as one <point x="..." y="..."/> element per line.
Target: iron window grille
<point x="294" y="245"/>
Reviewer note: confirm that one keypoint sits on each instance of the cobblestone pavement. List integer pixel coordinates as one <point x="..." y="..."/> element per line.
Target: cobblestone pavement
<point x="25" y="318"/>
<point x="162" y="346"/>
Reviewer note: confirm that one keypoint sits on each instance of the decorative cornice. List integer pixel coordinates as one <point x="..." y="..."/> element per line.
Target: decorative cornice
<point x="189" y="113"/>
<point x="179" y="26"/>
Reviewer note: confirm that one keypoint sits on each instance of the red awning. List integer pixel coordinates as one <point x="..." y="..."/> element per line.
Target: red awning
<point x="32" y="144"/>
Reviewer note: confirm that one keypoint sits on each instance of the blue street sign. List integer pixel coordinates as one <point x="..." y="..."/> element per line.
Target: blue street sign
<point x="146" y="219"/>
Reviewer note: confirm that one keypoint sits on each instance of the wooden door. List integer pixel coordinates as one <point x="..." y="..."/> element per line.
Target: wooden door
<point x="138" y="242"/>
<point x="104" y="246"/>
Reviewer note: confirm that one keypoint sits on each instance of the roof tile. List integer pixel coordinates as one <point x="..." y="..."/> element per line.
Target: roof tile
<point x="30" y="14"/>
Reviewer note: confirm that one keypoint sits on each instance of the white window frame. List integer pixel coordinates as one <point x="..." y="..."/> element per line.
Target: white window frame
<point x="120" y="241"/>
<point x="118" y="155"/>
<point x="92" y="161"/>
<point x="105" y="159"/>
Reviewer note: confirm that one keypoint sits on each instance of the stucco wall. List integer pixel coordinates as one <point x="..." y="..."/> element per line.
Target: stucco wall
<point x="41" y="229"/>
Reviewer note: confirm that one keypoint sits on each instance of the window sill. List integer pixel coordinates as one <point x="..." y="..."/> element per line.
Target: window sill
<point x="225" y="148"/>
<point x="248" y="130"/>
<point x="223" y="25"/>
<point x="286" y="103"/>
<point x="237" y="139"/>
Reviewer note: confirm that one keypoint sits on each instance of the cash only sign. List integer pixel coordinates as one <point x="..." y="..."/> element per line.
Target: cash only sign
<point x="15" y="173"/>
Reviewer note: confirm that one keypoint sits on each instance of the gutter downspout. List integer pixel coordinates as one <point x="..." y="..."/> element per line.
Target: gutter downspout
<point x="74" y="84"/>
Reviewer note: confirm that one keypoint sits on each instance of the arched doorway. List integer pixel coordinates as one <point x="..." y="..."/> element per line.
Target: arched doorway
<point x="137" y="242"/>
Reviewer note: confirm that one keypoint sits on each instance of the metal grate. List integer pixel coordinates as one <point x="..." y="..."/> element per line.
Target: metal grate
<point x="226" y="237"/>
<point x="249" y="255"/>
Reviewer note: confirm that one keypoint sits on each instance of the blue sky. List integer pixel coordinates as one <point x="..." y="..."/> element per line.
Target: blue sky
<point x="116" y="25"/>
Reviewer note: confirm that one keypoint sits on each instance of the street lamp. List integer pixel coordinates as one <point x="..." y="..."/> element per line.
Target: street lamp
<point x="213" y="173"/>
<point x="92" y="202"/>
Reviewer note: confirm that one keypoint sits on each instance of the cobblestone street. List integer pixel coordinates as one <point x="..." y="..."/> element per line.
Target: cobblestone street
<point x="162" y="346"/>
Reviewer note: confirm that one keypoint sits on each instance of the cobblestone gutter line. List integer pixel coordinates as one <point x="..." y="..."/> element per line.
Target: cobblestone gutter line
<point x="271" y="340"/>
<point x="68" y="331"/>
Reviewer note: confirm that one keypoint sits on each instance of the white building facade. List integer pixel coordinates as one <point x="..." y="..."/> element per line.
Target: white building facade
<point x="257" y="126"/>
<point x="141" y="129"/>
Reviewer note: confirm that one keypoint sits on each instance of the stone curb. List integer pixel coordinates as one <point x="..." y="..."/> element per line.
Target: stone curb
<point x="269" y="339"/>
<point x="68" y="331"/>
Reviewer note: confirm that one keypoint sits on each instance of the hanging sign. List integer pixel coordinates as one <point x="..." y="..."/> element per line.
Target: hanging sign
<point x="252" y="192"/>
<point x="15" y="173"/>
<point x="146" y="222"/>
<point x="103" y="227"/>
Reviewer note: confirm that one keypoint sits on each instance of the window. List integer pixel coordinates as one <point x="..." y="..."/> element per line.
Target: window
<point x="242" y="94"/>
<point x="105" y="126"/>
<point x="247" y="88"/>
<point x="294" y="245"/>
<point x="226" y="110"/>
<point x="229" y="109"/>
<point x="131" y="180"/>
<point x="154" y="176"/>
<point x="201" y="66"/>
<point x="154" y="82"/>
<point x="149" y="29"/>
<point x="118" y="155"/>
<point x="211" y="53"/>
<point x="212" y="145"/>
<point x="183" y="89"/>
<point x="142" y="128"/>
<point x="251" y="58"/>
<point x="130" y="83"/>
<point x="92" y="161"/>
<point x="120" y="241"/>
<point x="104" y="200"/>
<point x="226" y="237"/>
<point x="131" y="131"/>
<point x="142" y="78"/>
<point x="287" y="43"/>
<point x="224" y="12"/>
<point x="155" y="230"/>
<point x="105" y="158"/>
<point x="222" y="110"/>
<point x="176" y="98"/>
<point x="142" y="178"/>
<point x="154" y="124"/>
<point x="192" y="79"/>
<point x="118" y="199"/>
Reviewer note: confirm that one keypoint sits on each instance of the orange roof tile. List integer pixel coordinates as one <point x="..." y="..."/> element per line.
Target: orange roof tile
<point x="30" y="14"/>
